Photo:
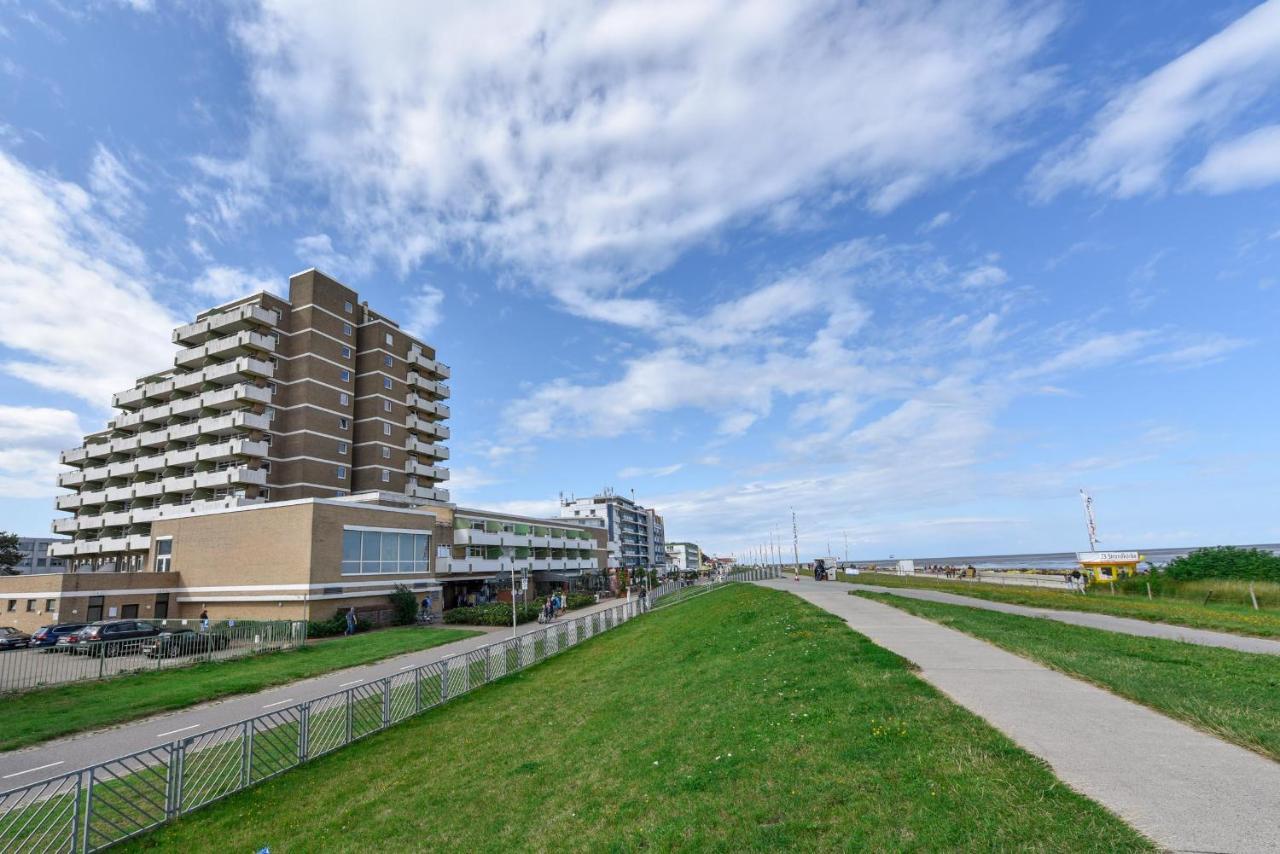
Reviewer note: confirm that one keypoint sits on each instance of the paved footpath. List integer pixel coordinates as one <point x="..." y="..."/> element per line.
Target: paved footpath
<point x="1106" y="622"/>
<point x="1186" y="790"/>
<point x="53" y="758"/>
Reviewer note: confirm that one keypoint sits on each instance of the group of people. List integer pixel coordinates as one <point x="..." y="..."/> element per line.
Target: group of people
<point x="552" y="607"/>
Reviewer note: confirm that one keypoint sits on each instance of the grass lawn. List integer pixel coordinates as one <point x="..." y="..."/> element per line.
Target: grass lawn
<point x="1234" y="695"/>
<point x="47" y="713"/>
<point x="745" y="719"/>
<point x="1217" y="616"/>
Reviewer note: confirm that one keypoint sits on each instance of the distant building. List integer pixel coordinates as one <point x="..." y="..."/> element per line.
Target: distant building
<point x="636" y="534"/>
<point x="684" y="557"/>
<point x="35" y="558"/>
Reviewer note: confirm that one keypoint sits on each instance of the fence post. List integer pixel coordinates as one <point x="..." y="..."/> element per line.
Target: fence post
<point x="88" y="811"/>
<point x="102" y="659"/>
<point x="173" y="801"/>
<point x="444" y="679"/>
<point x="246" y="753"/>
<point x="417" y="690"/>
<point x="75" y="816"/>
<point x="386" y="703"/>
<point x="350" y="711"/>
<point x="304" y="732"/>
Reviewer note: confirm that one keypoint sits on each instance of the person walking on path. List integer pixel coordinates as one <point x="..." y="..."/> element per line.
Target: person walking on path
<point x="351" y="622"/>
<point x="204" y="621"/>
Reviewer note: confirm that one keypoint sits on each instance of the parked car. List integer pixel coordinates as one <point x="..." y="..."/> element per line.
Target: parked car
<point x="110" y="637"/>
<point x="11" y="638"/>
<point x="174" y="642"/>
<point x="48" y="636"/>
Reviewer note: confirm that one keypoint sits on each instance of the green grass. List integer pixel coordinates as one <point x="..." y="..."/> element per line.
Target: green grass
<point x="1217" y="616"/>
<point x="37" y="716"/>
<point x="1234" y="695"/>
<point x="743" y="720"/>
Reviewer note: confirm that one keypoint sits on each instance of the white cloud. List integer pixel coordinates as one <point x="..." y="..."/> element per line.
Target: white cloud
<point x="78" y="318"/>
<point x="589" y="146"/>
<point x="316" y="250"/>
<point x="1204" y="352"/>
<point x="114" y="187"/>
<point x="657" y="471"/>
<point x="939" y="220"/>
<point x="1135" y="138"/>
<point x="1097" y="351"/>
<point x="1244" y="163"/>
<point x="426" y="310"/>
<point x="30" y="438"/>
<point x="223" y="283"/>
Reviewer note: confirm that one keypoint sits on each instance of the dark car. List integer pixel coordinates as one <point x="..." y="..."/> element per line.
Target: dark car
<point x="175" y="642"/>
<point x="48" y="636"/>
<point x="11" y="638"/>
<point x="110" y="637"/>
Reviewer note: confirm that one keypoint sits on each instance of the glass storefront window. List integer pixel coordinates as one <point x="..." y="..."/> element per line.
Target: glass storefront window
<point x="383" y="552"/>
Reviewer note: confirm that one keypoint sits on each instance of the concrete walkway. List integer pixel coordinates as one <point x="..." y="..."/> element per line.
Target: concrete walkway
<point x="53" y="758"/>
<point x="1186" y="790"/>
<point x="1106" y="622"/>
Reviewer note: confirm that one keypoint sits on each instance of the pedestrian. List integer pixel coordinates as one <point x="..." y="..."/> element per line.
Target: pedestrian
<point x="351" y="622"/>
<point x="426" y="608"/>
<point x="204" y="620"/>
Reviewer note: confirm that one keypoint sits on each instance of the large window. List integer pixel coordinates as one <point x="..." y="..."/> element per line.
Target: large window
<point x="164" y="554"/>
<point x="379" y="552"/>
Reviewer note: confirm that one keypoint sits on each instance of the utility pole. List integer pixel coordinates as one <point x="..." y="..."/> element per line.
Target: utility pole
<point x="846" y="546"/>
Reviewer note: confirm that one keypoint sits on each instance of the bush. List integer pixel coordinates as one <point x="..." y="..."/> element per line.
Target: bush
<point x="578" y="600"/>
<point x="404" y="606"/>
<point x="493" y="614"/>
<point x="1227" y="562"/>
<point x="334" y="626"/>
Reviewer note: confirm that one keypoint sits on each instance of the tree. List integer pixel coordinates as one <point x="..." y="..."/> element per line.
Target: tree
<point x="9" y="554"/>
<point x="404" y="605"/>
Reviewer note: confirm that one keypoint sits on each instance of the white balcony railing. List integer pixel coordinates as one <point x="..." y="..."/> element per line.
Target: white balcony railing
<point x="431" y="366"/>
<point x="238" y="344"/>
<point x="231" y="320"/>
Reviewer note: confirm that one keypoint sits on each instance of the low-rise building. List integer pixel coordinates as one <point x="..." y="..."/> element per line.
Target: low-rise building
<point x="310" y="558"/>
<point x="684" y="558"/>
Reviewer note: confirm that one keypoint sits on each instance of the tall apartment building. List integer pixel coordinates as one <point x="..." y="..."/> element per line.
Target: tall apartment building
<point x="267" y="400"/>
<point x="636" y="535"/>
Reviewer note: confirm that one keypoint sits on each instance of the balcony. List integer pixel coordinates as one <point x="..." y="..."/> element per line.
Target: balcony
<point x="430" y="386"/>
<point x="427" y="449"/>
<point x="73" y="457"/>
<point x="474" y="537"/>
<point x="232" y="320"/>
<point x="417" y="469"/>
<point x="233" y="476"/>
<point x="230" y="373"/>
<point x="431" y="366"/>
<point x="426" y="493"/>
<point x="70" y="479"/>
<point x="430" y="428"/>
<point x="235" y="422"/>
<point x="222" y="349"/>
<point x="72" y="501"/>
<point x="68" y="525"/>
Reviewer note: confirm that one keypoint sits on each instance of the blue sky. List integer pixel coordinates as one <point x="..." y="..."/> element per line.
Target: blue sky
<point x="920" y="271"/>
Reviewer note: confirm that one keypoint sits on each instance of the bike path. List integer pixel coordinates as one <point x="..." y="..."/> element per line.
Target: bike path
<point x="1183" y="788"/>
<point x="53" y="758"/>
<point x="1106" y="622"/>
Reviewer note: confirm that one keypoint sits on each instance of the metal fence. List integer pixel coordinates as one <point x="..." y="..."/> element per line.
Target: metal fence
<point x="24" y="669"/>
<point x="95" y="807"/>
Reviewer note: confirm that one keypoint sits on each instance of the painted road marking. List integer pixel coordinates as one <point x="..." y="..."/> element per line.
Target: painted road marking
<point x="31" y="770"/>
<point x="356" y="682"/>
<point x="176" y="731"/>
<point x="279" y="703"/>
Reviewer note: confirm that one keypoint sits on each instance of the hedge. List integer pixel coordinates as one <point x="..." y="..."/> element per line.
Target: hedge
<point x="1227" y="562"/>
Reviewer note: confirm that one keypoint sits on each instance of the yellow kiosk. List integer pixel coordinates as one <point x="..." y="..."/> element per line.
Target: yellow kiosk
<point x="1106" y="567"/>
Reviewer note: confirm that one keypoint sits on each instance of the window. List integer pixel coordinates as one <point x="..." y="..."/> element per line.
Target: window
<point x="346" y="352"/>
<point x="94" y="612"/>
<point x="13" y="604"/>
<point x="391" y="341"/>
<point x="387" y="360"/>
<point x="275" y="336"/>
<point x="379" y="552"/>
<point x="386" y="406"/>
<point x="346" y="329"/>
<point x="272" y="388"/>
<point x="346" y="376"/>
<point x="129" y="612"/>
<point x="164" y="554"/>
<point x="161" y="610"/>
<point x="386" y="382"/>
<point x="348" y="307"/>
<point x="342" y="472"/>
<point x="266" y="439"/>
<point x="386" y="476"/>
<point x="271" y="413"/>
<point x="386" y="429"/>
<point x="342" y="447"/>
<point x="386" y="453"/>
<point x="31" y="604"/>
<point x="344" y="399"/>
<point x="265" y="465"/>
<point x="344" y="423"/>
<point x="264" y="493"/>
<point x="51" y="604"/>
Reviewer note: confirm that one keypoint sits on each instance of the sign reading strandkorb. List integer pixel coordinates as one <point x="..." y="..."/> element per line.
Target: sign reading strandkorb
<point x="1108" y="557"/>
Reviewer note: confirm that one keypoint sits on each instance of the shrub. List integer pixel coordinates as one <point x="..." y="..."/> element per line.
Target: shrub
<point x="1227" y="562"/>
<point x="404" y="605"/>
<point x="493" y="614"/>
<point x="578" y="600"/>
<point x="334" y="626"/>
